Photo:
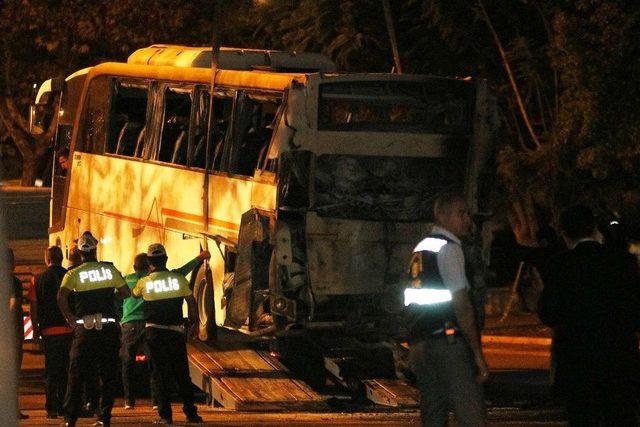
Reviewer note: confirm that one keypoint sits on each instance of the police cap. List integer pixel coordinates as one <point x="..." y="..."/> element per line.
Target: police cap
<point x="87" y="243"/>
<point x="156" y="249"/>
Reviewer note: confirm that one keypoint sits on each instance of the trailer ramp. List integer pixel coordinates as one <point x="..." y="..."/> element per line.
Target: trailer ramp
<point x="239" y="378"/>
<point x="369" y="377"/>
<point x="391" y="392"/>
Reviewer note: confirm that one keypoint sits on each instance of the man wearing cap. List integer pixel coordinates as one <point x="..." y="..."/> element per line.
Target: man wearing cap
<point x="96" y="332"/>
<point x="163" y="292"/>
<point x="133" y="323"/>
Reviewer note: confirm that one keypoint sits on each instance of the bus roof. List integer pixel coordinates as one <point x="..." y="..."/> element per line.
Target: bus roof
<point x="240" y="79"/>
<point x="232" y="58"/>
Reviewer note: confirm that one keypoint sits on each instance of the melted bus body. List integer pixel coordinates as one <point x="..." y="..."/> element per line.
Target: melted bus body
<point x="319" y="183"/>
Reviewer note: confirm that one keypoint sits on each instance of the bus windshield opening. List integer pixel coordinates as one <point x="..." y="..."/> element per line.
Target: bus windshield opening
<point x="436" y="106"/>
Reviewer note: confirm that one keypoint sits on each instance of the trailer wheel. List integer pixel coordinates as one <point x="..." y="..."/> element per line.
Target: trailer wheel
<point x="203" y="294"/>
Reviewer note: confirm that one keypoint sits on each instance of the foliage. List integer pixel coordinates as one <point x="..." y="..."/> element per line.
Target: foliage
<point x="574" y="64"/>
<point x="47" y="38"/>
<point x="351" y="31"/>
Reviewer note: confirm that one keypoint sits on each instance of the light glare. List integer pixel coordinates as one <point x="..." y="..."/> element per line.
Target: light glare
<point x="430" y="244"/>
<point x="426" y="296"/>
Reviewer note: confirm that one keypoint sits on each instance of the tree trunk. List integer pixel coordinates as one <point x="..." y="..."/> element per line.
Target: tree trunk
<point x="512" y="80"/>
<point x="29" y="170"/>
<point x="32" y="148"/>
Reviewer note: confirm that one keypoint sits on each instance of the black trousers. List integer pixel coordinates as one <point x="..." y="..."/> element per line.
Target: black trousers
<point x="56" y="367"/>
<point x="132" y="342"/>
<point x="92" y="349"/>
<point x="168" y="351"/>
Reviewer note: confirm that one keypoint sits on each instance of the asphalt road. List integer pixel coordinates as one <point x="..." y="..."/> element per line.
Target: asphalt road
<point x="25" y="212"/>
<point x="341" y="413"/>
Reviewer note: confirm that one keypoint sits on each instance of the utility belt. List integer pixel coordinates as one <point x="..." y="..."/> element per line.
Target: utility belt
<point x="96" y="321"/>
<point x="175" y="328"/>
<point x="449" y="330"/>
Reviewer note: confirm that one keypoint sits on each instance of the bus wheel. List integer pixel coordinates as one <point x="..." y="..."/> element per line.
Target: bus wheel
<point x="203" y="294"/>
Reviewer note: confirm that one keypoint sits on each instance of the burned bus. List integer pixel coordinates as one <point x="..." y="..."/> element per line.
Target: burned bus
<point x="316" y="189"/>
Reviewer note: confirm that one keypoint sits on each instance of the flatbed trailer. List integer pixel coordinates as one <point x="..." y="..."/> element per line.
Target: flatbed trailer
<point x="237" y="377"/>
<point x="240" y="378"/>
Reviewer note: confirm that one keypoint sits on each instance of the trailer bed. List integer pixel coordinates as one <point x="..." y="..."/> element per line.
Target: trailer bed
<point x="240" y="378"/>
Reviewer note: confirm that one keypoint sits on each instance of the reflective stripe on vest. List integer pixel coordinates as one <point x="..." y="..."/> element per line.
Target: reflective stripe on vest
<point x="430" y="244"/>
<point x="426" y="296"/>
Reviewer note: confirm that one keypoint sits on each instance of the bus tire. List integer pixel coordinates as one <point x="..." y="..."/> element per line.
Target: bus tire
<point x="203" y="294"/>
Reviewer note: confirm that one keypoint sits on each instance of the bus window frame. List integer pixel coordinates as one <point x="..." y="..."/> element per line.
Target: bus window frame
<point x="163" y="87"/>
<point x="220" y="93"/>
<point x="155" y="115"/>
<point x="233" y="141"/>
<point x="264" y="167"/>
<point x="141" y="83"/>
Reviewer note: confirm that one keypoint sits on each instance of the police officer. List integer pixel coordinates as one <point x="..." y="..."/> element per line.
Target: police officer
<point x="446" y="355"/>
<point x="90" y="385"/>
<point x="133" y="323"/>
<point x="96" y="334"/>
<point x="164" y="292"/>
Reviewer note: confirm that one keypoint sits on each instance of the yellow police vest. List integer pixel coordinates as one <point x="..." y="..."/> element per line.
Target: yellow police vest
<point x="92" y="276"/>
<point x="161" y="285"/>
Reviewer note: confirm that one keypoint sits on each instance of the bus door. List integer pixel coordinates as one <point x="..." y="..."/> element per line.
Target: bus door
<point x="61" y="164"/>
<point x="62" y="147"/>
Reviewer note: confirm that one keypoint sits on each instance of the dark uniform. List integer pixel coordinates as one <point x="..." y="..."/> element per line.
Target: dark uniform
<point x="592" y="301"/>
<point x="56" y="336"/>
<point x="90" y="386"/>
<point x="96" y="338"/>
<point x="441" y="358"/>
<point x="133" y="328"/>
<point x="164" y="292"/>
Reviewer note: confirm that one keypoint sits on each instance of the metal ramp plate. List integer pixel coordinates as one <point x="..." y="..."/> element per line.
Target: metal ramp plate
<point x="389" y="392"/>
<point x="239" y="378"/>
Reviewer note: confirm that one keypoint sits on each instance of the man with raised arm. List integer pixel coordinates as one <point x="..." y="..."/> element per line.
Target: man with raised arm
<point x="163" y="292"/>
<point x="133" y="323"/>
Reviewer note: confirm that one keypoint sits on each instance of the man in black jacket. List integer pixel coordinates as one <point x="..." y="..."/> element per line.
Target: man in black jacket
<point x="56" y="334"/>
<point x="591" y="300"/>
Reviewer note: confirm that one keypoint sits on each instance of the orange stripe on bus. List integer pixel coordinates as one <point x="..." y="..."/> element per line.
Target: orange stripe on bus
<point x="198" y="218"/>
<point x="174" y="214"/>
<point x="132" y="219"/>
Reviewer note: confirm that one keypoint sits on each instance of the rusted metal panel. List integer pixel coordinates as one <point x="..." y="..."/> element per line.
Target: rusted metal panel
<point x="358" y="257"/>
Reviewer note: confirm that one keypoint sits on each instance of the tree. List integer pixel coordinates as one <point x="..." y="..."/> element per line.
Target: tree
<point x="52" y="38"/>
<point x="576" y="67"/>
